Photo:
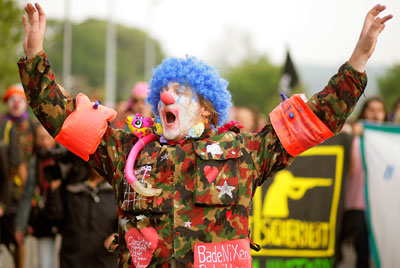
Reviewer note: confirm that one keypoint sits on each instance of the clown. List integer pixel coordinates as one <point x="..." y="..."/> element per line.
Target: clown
<point x="18" y="115"/>
<point x="206" y="175"/>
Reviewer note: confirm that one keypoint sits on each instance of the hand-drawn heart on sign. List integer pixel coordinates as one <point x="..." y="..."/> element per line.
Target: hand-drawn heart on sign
<point x="141" y="245"/>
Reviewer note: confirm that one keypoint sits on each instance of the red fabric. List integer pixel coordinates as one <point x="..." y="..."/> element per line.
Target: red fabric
<point x="297" y="127"/>
<point x="83" y="129"/>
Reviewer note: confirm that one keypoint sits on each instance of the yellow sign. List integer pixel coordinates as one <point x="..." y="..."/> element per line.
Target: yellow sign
<point x="281" y="236"/>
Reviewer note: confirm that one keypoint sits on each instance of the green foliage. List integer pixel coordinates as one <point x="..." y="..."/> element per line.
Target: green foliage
<point x="11" y="32"/>
<point x="389" y="85"/>
<point x="89" y="52"/>
<point x="255" y="84"/>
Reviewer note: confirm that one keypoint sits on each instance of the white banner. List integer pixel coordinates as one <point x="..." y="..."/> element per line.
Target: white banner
<point x="381" y="155"/>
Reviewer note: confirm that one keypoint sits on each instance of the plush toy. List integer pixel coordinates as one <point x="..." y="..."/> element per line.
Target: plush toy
<point x="141" y="128"/>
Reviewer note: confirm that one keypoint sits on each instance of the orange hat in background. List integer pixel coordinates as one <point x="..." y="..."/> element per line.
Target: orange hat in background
<point x="13" y="90"/>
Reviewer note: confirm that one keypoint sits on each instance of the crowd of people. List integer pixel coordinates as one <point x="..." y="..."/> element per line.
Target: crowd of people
<point x="46" y="190"/>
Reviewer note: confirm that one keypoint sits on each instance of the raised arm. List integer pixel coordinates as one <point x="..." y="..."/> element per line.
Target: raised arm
<point x="333" y="105"/>
<point x="53" y="106"/>
<point x="48" y="100"/>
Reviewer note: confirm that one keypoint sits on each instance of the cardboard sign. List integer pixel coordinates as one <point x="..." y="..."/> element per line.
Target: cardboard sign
<point x="297" y="127"/>
<point x="296" y="214"/>
<point x="229" y="254"/>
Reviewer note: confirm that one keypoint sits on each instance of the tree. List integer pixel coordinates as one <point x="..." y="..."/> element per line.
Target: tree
<point x="389" y="85"/>
<point x="255" y="84"/>
<point x="11" y="32"/>
<point x="88" y="55"/>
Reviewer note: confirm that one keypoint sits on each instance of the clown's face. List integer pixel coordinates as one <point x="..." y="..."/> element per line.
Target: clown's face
<point x="16" y="105"/>
<point x="179" y="110"/>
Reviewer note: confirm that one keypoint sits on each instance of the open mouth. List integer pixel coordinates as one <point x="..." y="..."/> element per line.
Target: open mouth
<point x="170" y="117"/>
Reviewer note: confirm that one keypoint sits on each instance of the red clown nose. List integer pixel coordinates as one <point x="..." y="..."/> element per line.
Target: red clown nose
<point x="167" y="98"/>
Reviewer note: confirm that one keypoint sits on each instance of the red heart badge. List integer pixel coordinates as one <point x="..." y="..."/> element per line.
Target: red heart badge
<point x="141" y="245"/>
<point x="211" y="173"/>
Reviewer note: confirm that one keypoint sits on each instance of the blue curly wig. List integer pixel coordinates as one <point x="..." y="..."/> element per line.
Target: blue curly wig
<point x="202" y="79"/>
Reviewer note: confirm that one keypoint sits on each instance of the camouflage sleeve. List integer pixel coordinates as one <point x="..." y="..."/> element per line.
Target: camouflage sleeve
<point x="52" y="105"/>
<point x="333" y="105"/>
<point x="336" y="102"/>
<point x="48" y="100"/>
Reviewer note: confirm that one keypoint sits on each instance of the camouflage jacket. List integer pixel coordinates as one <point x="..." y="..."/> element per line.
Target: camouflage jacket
<point x="207" y="183"/>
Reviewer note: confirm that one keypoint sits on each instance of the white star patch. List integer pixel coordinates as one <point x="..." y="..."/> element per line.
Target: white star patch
<point x="140" y="217"/>
<point x="225" y="189"/>
<point x="188" y="224"/>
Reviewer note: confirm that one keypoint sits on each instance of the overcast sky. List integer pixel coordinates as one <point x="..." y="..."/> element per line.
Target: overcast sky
<point x="320" y="32"/>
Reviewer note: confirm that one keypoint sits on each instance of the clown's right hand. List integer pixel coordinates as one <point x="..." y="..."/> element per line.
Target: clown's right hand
<point x="34" y="30"/>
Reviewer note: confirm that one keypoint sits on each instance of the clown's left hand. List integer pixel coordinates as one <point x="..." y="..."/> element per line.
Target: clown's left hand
<point x="373" y="26"/>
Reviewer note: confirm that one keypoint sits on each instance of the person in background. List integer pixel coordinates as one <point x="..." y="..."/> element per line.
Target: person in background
<point x="354" y="224"/>
<point x="137" y="102"/>
<point x="89" y="220"/>
<point x="43" y="198"/>
<point x="247" y="118"/>
<point x="72" y="199"/>
<point x="10" y="163"/>
<point x="17" y="113"/>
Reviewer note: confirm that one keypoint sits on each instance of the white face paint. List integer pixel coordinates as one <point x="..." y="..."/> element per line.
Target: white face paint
<point x="16" y="105"/>
<point x="179" y="117"/>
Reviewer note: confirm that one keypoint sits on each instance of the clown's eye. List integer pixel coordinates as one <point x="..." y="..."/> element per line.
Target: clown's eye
<point x="139" y="117"/>
<point x="138" y="123"/>
<point x="181" y="90"/>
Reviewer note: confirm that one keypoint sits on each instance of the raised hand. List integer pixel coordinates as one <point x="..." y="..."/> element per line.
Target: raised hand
<point x="373" y="26"/>
<point x="34" y="31"/>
